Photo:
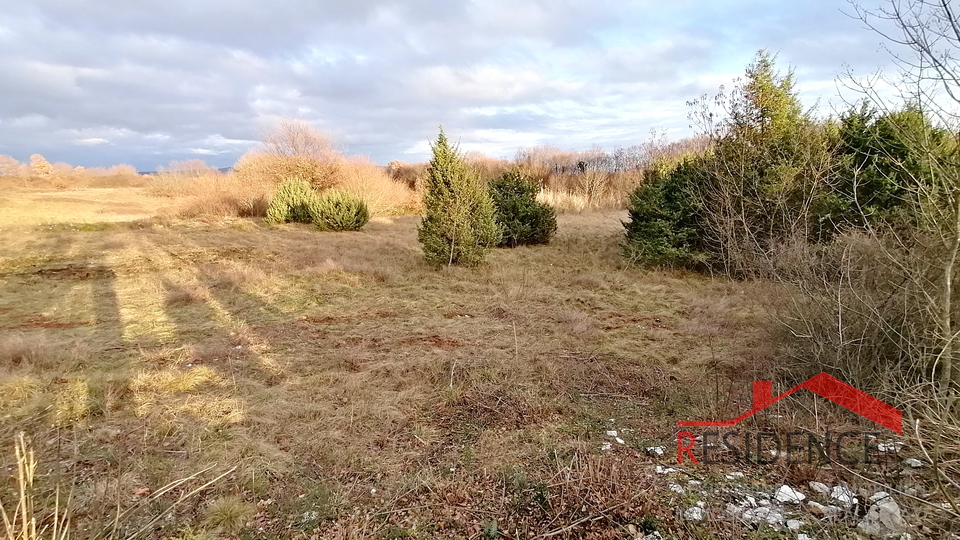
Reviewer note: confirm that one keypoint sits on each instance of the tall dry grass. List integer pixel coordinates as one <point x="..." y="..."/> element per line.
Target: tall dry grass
<point x="28" y="520"/>
<point x="214" y="195"/>
<point x="591" y="190"/>
<point x="22" y="522"/>
<point x="384" y="195"/>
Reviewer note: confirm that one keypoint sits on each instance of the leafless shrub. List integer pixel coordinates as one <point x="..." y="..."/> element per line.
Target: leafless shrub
<point x="271" y="169"/>
<point x="12" y="167"/>
<point x="41" y="168"/>
<point x="292" y="149"/>
<point x="409" y="174"/>
<point x="488" y="168"/>
<point x="192" y="168"/>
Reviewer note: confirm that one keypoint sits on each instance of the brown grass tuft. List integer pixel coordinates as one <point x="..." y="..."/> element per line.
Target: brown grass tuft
<point x="186" y="294"/>
<point x="25" y="350"/>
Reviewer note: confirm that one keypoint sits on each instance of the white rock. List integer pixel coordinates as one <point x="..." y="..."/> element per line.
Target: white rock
<point x="751" y="501"/>
<point x="890" y="447"/>
<point x="664" y="470"/>
<point x="883" y="519"/>
<point x="787" y="494"/>
<point x="802" y="536"/>
<point x="656" y="450"/>
<point x="734" y="511"/>
<point x="878" y="496"/>
<point x="734" y="475"/>
<point x="677" y="488"/>
<point x="619" y="440"/>
<point x="694" y="514"/>
<point x="825" y="512"/>
<point x="694" y="483"/>
<point x="820" y="488"/>
<point x="844" y="496"/>
<point x="913" y="463"/>
<point x="769" y="515"/>
<point x="794" y="524"/>
<point x="606" y="446"/>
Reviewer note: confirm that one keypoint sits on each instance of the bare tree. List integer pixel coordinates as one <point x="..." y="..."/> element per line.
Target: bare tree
<point x="296" y="138"/>
<point x="923" y="39"/>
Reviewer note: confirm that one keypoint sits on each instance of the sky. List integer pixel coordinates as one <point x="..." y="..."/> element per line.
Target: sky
<point x="147" y="82"/>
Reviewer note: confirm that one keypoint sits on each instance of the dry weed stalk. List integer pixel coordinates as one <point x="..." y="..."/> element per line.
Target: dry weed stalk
<point x="21" y="523"/>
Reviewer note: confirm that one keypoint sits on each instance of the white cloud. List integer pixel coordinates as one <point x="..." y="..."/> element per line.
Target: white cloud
<point x="220" y="141"/>
<point x="480" y="84"/>
<point x="90" y="141"/>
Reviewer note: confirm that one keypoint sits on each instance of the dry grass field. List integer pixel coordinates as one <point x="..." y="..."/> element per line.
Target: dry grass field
<point x="98" y="205"/>
<point x="347" y="389"/>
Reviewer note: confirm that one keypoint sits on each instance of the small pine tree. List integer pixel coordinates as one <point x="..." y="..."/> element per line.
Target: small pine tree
<point x="336" y="210"/>
<point x="293" y="201"/>
<point x="458" y="226"/>
<point x="521" y="218"/>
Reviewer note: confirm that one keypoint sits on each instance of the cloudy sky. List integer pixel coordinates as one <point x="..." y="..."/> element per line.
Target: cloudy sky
<point x="145" y="82"/>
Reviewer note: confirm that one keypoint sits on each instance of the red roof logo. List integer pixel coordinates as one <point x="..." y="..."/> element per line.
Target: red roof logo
<point x="825" y="386"/>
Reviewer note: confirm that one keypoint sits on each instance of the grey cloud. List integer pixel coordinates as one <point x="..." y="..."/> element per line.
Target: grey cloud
<point x="98" y="81"/>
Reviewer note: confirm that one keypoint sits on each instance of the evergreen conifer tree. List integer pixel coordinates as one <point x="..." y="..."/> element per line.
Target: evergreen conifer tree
<point x="458" y="226"/>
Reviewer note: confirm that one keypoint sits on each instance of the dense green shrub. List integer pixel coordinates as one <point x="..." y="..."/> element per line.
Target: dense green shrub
<point x="335" y="210"/>
<point x="878" y="158"/>
<point x="664" y="225"/>
<point x="292" y="202"/>
<point x="521" y="218"/>
<point x="458" y="226"/>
